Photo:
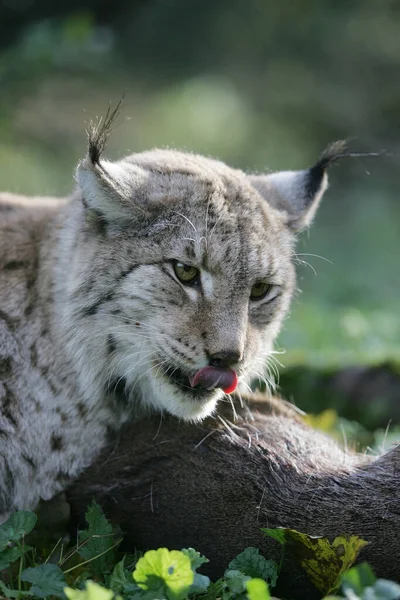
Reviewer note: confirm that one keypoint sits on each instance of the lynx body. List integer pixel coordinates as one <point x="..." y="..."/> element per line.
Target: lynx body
<point x="162" y="276"/>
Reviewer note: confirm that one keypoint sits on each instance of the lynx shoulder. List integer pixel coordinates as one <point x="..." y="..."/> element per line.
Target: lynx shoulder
<point x="157" y="286"/>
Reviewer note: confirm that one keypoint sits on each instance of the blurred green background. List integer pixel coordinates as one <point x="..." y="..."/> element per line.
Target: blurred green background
<point x="260" y="84"/>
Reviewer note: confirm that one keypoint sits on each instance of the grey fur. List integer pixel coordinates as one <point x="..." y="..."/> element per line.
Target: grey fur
<point x="93" y="322"/>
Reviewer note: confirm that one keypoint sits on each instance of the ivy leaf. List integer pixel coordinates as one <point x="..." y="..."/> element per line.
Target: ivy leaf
<point x="164" y="571"/>
<point x="93" y="591"/>
<point x="16" y="527"/>
<point x="196" y="558"/>
<point x="100" y="539"/>
<point x="252" y="563"/>
<point x="324" y="562"/>
<point x="47" y="580"/>
<point x="257" y="589"/>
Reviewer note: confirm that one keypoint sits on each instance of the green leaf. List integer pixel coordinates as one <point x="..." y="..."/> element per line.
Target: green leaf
<point x="196" y="558"/>
<point x="384" y="590"/>
<point x="10" y="555"/>
<point x="161" y="569"/>
<point x="22" y="522"/>
<point x="214" y="590"/>
<point x="11" y="593"/>
<point x="358" y="578"/>
<point x="324" y="562"/>
<point x="47" y="580"/>
<point x="324" y="421"/>
<point x="118" y="580"/>
<point x="257" y="589"/>
<point x="252" y="563"/>
<point x="93" y="591"/>
<point x="16" y="527"/>
<point x="100" y="539"/>
<point x="200" y="584"/>
<point x="235" y="582"/>
<point x="277" y="534"/>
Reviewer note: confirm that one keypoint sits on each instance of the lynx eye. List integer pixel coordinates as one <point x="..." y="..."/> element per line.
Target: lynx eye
<point x="185" y="273"/>
<point x="260" y="290"/>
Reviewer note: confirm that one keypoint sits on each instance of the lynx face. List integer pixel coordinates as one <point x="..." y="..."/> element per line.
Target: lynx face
<point x="182" y="275"/>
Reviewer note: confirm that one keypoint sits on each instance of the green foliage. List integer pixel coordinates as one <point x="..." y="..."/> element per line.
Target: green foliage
<point x="46" y="579"/>
<point x="196" y="559"/>
<point x="257" y="589"/>
<point x="11" y="593"/>
<point x="252" y="563"/>
<point x="12" y="554"/>
<point x="234" y="584"/>
<point x="323" y="561"/>
<point x="358" y="578"/>
<point x="41" y="580"/>
<point x="200" y="583"/>
<point x="97" y="542"/>
<point x="119" y="578"/>
<point x="16" y="527"/>
<point x="360" y="583"/>
<point x="171" y="574"/>
<point x="167" y="572"/>
<point x="92" y="591"/>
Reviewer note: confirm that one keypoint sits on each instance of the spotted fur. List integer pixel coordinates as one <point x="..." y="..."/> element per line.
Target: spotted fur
<point x="95" y="328"/>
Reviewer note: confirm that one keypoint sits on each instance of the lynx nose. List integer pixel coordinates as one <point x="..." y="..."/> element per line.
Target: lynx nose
<point x="223" y="360"/>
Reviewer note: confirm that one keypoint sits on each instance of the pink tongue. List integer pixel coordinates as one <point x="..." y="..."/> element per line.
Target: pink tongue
<point x="213" y="377"/>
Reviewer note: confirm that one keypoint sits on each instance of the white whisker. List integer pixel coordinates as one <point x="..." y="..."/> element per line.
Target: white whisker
<point x="315" y="255"/>
<point x="213" y="229"/>
<point x="186" y="219"/>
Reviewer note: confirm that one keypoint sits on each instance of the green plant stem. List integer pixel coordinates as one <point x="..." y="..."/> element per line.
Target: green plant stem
<point x="53" y="550"/>
<point x="92" y="559"/>
<point x="79" y="546"/>
<point x="21" y="564"/>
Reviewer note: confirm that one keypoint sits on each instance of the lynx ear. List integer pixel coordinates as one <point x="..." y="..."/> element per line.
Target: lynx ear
<point x="110" y="190"/>
<point x="298" y="193"/>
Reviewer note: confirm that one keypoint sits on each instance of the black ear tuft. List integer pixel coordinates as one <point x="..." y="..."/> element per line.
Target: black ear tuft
<point x="98" y="132"/>
<point x="330" y="156"/>
<point x="332" y="153"/>
<point x="338" y="150"/>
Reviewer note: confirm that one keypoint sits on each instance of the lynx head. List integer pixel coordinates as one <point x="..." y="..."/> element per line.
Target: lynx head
<point x="182" y="272"/>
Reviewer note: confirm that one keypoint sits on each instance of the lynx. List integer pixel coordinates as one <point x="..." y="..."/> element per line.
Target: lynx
<point x="158" y="285"/>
